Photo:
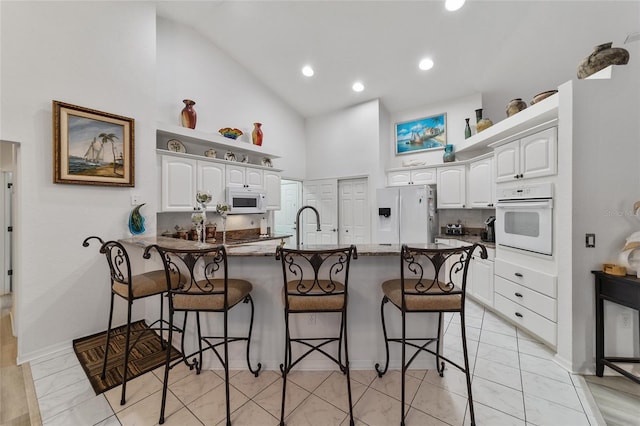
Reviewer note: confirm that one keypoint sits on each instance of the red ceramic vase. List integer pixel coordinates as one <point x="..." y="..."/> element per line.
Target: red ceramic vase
<point x="188" y="115"/>
<point x="256" y="135"/>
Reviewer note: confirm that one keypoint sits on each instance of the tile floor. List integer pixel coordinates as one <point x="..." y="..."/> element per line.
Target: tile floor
<point x="515" y="382"/>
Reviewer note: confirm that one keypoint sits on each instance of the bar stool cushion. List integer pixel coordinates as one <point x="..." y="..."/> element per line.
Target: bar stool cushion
<point x="154" y="282"/>
<point x="237" y="290"/>
<point x="433" y="299"/>
<point x="316" y="299"/>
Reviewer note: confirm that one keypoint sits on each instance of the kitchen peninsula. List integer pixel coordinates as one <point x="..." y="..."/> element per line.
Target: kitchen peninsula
<point x="257" y="264"/>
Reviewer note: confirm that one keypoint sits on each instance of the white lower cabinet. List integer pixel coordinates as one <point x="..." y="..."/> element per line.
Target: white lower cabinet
<point x="480" y="279"/>
<point x="528" y="298"/>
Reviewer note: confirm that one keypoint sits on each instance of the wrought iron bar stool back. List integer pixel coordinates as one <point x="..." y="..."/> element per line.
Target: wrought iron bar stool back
<point x="431" y="280"/>
<point x="316" y="281"/>
<point x="130" y="288"/>
<point x="205" y="287"/>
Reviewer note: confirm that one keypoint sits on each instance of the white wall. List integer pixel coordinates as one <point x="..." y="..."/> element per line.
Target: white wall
<point x="606" y="183"/>
<point x="97" y="55"/>
<point x="456" y="109"/>
<point x="226" y="95"/>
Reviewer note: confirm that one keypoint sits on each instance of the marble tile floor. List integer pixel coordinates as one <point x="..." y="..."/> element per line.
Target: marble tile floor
<point x="515" y="382"/>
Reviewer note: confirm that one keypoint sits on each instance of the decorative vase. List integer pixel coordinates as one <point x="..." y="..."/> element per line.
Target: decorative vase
<point x="467" y="129"/>
<point x="601" y="57"/>
<point x="483" y="124"/>
<point x="188" y="115"/>
<point x="449" y="154"/>
<point x="478" y="115"/>
<point x="256" y="135"/>
<point x="515" y="106"/>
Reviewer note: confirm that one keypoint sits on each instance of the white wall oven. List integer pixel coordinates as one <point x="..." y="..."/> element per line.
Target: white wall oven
<point x="524" y="218"/>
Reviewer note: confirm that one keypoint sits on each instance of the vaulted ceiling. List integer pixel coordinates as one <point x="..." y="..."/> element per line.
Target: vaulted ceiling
<point x="502" y="49"/>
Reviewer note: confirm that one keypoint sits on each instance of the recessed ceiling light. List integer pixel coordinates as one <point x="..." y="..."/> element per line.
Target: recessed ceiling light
<point x="307" y="71"/>
<point x="426" y="64"/>
<point x="453" y="5"/>
<point x="357" y="86"/>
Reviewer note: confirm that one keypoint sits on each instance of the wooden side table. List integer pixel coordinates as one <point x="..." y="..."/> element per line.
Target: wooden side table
<point x="624" y="291"/>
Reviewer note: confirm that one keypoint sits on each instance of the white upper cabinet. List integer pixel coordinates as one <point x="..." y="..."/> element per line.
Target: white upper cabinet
<point x="182" y="177"/>
<point x="425" y="176"/>
<point x="178" y="189"/>
<point x="451" y="187"/>
<point x="272" y="190"/>
<point x="210" y="177"/>
<point x="244" y="177"/>
<point x="481" y="186"/>
<point x="530" y="157"/>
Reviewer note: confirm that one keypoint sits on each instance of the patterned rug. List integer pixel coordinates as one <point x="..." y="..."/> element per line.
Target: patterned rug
<point x="146" y="355"/>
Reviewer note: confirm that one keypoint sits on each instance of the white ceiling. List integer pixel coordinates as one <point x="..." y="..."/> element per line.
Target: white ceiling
<point x="502" y="49"/>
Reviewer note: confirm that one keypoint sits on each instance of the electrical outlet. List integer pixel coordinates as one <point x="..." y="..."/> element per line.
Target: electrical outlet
<point x="311" y="319"/>
<point x="625" y="320"/>
<point x="135" y="199"/>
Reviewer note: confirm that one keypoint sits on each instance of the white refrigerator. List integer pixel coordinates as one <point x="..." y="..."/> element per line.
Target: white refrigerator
<point x="406" y="215"/>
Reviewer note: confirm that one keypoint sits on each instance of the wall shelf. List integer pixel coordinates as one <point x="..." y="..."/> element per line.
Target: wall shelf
<point x="544" y="113"/>
<point x="209" y="140"/>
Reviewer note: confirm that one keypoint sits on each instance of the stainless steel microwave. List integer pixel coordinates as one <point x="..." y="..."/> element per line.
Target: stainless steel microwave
<point x="245" y="201"/>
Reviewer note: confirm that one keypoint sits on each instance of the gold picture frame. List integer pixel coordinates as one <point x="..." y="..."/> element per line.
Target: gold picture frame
<point x="92" y="147"/>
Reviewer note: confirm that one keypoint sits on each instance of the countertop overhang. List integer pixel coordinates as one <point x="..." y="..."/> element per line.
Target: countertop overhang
<point x="267" y="250"/>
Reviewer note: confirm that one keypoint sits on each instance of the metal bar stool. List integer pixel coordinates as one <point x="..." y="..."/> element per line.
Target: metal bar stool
<point x="130" y="288"/>
<point x="316" y="281"/>
<point x="198" y="292"/>
<point x="426" y="284"/>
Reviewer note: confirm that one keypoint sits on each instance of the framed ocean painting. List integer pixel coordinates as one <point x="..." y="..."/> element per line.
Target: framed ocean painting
<point x="423" y="134"/>
<point x="92" y="147"/>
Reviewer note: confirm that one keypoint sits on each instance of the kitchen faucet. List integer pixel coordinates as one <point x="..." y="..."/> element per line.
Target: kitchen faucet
<point x="298" y="222"/>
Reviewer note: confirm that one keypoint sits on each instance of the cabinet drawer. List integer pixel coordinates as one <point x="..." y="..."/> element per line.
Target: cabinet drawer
<point x="532" y="300"/>
<point x="536" y="324"/>
<point x="535" y="280"/>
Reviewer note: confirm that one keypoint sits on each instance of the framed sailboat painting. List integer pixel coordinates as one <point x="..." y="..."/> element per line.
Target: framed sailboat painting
<point x="92" y="147"/>
<point x="423" y="134"/>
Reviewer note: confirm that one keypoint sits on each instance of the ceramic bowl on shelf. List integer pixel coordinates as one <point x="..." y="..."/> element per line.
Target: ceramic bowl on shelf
<point x="176" y="146"/>
<point x="540" y="96"/>
<point x="230" y="156"/>
<point x="230" y="133"/>
<point x="211" y="153"/>
<point x="267" y="162"/>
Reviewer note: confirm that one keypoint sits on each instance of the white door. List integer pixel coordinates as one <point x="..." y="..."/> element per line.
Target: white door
<point x="178" y="184"/>
<point x="272" y="189"/>
<point x="481" y="187"/>
<point x="290" y="200"/>
<point x="451" y="187"/>
<point x="507" y="161"/>
<point x="354" y="212"/>
<point x="210" y="178"/>
<point x="253" y="178"/>
<point x="538" y="154"/>
<point x="6" y="241"/>
<point x="323" y="195"/>
<point x="235" y="176"/>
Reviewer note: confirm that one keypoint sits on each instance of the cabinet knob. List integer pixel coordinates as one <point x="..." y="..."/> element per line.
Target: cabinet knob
<point x="334" y="229"/>
<point x="518" y="274"/>
<point x="515" y="176"/>
<point x="519" y="315"/>
<point x="518" y="294"/>
<point x="521" y="175"/>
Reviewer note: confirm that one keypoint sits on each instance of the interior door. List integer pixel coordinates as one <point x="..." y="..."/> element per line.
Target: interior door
<point x="323" y="195"/>
<point x="6" y="243"/>
<point x="353" y="211"/>
<point x="290" y="199"/>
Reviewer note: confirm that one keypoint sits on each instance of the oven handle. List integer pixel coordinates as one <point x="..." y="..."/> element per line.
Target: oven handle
<point x="543" y="204"/>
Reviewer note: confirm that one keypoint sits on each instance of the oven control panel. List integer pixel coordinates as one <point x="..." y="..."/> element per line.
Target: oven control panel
<point x="540" y="190"/>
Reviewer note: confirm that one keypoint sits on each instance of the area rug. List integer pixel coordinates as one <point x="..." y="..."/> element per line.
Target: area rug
<point x="146" y="355"/>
